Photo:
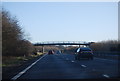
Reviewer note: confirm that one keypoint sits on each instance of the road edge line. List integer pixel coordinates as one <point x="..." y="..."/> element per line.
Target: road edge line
<point x="22" y="72"/>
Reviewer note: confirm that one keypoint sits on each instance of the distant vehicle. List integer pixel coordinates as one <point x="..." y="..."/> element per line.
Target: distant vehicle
<point x="84" y="52"/>
<point x="50" y="52"/>
<point x="58" y="52"/>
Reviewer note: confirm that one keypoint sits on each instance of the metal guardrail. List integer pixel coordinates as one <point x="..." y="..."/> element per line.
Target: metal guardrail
<point x="107" y="55"/>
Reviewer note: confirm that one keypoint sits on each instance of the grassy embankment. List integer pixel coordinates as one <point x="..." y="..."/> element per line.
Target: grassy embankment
<point x="17" y="61"/>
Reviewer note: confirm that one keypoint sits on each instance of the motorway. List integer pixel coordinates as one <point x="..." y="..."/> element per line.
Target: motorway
<point x="64" y="66"/>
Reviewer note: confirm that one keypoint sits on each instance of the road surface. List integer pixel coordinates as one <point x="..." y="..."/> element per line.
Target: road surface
<point x="64" y="66"/>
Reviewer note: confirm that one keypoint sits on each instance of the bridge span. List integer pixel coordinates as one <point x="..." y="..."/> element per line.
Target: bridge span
<point x="63" y="43"/>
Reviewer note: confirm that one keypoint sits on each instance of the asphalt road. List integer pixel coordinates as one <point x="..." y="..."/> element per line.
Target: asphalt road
<point x="64" y="66"/>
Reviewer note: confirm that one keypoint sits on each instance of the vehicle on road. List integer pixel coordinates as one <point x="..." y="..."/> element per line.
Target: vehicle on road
<point x="50" y="52"/>
<point x="58" y="52"/>
<point x="84" y="52"/>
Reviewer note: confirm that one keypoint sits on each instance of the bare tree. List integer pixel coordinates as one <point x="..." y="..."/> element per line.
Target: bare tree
<point x="13" y="42"/>
<point x="109" y="45"/>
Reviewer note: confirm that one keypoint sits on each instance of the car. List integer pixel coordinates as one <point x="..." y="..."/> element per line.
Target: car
<point x="58" y="52"/>
<point x="50" y="52"/>
<point x="84" y="52"/>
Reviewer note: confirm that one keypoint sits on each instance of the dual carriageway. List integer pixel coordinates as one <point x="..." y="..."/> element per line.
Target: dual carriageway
<point x="64" y="66"/>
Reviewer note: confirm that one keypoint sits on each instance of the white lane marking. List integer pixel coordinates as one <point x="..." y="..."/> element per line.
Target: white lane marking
<point x="72" y="61"/>
<point x="22" y="72"/>
<point x="83" y="66"/>
<point x="106" y="76"/>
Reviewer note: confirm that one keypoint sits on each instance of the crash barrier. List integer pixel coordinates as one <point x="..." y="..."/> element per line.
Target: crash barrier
<point x="107" y="54"/>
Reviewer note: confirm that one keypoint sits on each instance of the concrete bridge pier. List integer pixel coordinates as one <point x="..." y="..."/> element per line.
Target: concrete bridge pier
<point x="87" y="45"/>
<point x="43" y="49"/>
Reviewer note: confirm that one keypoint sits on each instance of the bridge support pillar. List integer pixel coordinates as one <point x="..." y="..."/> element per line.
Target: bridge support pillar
<point x="42" y="49"/>
<point x="87" y="45"/>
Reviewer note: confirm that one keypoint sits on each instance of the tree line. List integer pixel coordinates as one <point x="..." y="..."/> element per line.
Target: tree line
<point x="13" y="37"/>
<point x="101" y="46"/>
<point x="108" y="45"/>
<point x="15" y="44"/>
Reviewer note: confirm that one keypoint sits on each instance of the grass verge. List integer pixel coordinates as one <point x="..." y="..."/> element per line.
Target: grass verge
<point x="17" y="61"/>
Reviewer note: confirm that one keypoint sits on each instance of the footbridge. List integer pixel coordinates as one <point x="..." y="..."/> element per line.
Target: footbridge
<point x="46" y="43"/>
<point x="63" y="43"/>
